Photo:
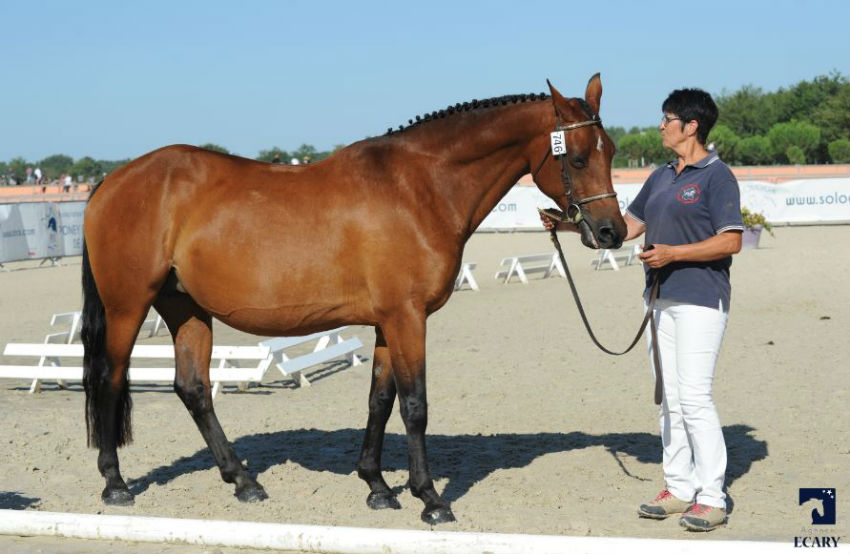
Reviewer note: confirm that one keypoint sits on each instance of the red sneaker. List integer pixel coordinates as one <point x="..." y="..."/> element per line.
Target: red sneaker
<point x="663" y="505"/>
<point x="701" y="517"/>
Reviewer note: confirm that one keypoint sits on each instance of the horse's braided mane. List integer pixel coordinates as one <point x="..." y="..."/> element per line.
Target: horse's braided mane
<point x="468" y="106"/>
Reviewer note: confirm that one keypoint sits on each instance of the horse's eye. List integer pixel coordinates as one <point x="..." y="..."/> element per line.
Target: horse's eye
<point x="578" y="162"/>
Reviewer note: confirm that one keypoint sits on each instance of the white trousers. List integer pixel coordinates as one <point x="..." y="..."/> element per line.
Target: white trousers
<point x="694" y="461"/>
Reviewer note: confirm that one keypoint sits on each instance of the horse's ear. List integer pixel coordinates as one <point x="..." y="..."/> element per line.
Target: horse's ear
<point x="593" y="93"/>
<point x="557" y="98"/>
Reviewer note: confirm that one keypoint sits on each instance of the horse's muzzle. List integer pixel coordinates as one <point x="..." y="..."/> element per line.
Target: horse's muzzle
<point x="608" y="237"/>
<point x="603" y="234"/>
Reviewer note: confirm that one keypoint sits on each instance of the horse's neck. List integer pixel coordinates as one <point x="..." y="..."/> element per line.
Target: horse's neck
<point x="481" y="156"/>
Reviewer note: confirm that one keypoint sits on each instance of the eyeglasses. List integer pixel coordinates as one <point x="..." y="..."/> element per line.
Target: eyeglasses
<point x="666" y="119"/>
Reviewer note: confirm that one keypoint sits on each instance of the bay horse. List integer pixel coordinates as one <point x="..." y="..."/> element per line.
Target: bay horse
<point x="373" y="235"/>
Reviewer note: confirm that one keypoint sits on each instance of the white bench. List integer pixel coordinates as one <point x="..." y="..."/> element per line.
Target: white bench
<point x="153" y="324"/>
<point x="521" y="266"/>
<point x="228" y="369"/>
<point x="73" y="321"/>
<point x="628" y="254"/>
<point x="465" y="276"/>
<point x="329" y="346"/>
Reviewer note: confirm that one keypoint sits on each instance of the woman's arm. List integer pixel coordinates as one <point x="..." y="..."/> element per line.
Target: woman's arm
<point x="715" y="248"/>
<point x="634" y="228"/>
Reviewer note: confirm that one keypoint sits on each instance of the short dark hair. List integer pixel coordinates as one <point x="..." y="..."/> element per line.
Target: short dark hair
<point x="693" y="104"/>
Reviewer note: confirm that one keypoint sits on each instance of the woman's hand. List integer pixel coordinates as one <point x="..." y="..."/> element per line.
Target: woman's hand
<point x="659" y="256"/>
<point x="714" y="248"/>
<point x="548" y="222"/>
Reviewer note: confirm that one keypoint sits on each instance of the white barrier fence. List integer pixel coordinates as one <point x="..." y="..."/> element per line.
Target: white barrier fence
<point x="53" y="230"/>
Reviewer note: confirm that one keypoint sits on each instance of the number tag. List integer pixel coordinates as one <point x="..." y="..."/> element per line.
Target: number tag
<point x="559" y="147"/>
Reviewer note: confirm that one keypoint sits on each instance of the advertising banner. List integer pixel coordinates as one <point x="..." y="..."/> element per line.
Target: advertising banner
<point x="804" y="201"/>
<point x="41" y="230"/>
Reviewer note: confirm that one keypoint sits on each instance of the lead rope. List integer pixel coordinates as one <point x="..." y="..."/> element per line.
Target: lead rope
<point x="649" y="318"/>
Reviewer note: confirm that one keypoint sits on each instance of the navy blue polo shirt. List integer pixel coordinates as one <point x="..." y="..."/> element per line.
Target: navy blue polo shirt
<point x="699" y="203"/>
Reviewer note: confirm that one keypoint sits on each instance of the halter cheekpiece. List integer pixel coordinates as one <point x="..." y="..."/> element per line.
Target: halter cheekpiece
<point x="574" y="213"/>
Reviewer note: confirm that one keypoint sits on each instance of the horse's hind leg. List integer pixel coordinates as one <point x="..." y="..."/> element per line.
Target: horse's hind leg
<point x="381" y="399"/>
<point x="113" y="403"/>
<point x="191" y="329"/>
<point x="405" y="333"/>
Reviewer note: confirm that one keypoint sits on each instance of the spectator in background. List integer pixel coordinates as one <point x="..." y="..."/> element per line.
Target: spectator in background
<point x="305" y="160"/>
<point x="37" y="174"/>
<point x="276" y="158"/>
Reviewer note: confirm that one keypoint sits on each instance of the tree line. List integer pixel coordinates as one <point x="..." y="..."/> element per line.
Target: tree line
<point x="806" y="123"/>
<point x="87" y="169"/>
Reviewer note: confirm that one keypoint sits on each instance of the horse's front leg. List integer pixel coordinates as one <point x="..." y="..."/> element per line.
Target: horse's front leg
<point x="405" y="334"/>
<point x="381" y="399"/>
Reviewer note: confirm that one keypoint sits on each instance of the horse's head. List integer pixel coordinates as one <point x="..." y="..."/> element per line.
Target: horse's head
<point x="575" y="170"/>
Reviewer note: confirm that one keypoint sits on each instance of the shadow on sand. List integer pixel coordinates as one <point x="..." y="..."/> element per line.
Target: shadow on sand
<point x="461" y="459"/>
<point x="16" y="501"/>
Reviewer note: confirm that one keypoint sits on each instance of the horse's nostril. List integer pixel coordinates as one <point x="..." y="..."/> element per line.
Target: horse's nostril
<point x="608" y="236"/>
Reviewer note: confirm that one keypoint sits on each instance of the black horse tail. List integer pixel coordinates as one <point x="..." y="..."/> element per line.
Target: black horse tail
<point x="96" y="372"/>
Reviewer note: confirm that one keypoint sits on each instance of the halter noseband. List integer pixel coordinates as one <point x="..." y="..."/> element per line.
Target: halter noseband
<point x="575" y="204"/>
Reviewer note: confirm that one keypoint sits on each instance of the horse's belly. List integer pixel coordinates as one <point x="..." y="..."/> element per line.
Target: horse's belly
<point x="295" y="320"/>
<point x="267" y="298"/>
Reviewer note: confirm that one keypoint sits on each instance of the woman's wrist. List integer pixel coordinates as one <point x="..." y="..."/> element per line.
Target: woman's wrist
<point x="676" y="253"/>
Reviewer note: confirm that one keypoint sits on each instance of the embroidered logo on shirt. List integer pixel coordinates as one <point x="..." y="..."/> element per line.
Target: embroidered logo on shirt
<point x="688" y="194"/>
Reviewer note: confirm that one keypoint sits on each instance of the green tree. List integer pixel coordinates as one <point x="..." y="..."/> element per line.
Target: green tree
<point x="615" y="133"/>
<point x="803" y="99"/>
<point x="794" y="133"/>
<point x="631" y="146"/>
<point x="268" y="155"/>
<point x="725" y="142"/>
<point x="18" y="169"/>
<point x="215" y="148"/>
<point x="111" y="165"/>
<point x="55" y="165"/>
<point x="644" y="147"/>
<point x="746" y="111"/>
<point x="87" y="168"/>
<point x="795" y="155"/>
<point x="839" y="151"/>
<point x="755" y="150"/>
<point x="832" y="116"/>
<point x="307" y="150"/>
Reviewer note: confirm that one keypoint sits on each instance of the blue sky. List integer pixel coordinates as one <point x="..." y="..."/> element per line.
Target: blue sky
<point x="117" y="79"/>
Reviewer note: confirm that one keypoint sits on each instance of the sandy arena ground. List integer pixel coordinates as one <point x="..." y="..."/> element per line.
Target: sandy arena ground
<point x="531" y="428"/>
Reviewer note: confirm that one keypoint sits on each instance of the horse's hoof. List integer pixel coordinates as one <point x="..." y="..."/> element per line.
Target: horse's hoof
<point x="117" y="497"/>
<point x="382" y="501"/>
<point x="439" y="515"/>
<point x="251" y="493"/>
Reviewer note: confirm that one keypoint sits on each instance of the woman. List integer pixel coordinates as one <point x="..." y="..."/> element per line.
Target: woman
<point x="690" y="212"/>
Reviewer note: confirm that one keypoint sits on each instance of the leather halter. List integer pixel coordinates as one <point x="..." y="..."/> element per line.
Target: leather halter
<point x="574" y="213"/>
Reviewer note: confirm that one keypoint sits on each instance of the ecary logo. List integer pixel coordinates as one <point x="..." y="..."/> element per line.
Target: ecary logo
<point x="821" y="502"/>
<point x="688" y="194"/>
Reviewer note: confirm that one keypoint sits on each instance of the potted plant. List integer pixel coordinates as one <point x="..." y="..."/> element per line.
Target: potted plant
<point x="754" y="223"/>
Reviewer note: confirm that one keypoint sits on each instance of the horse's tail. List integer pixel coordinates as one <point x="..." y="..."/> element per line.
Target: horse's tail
<point x="96" y="372"/>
